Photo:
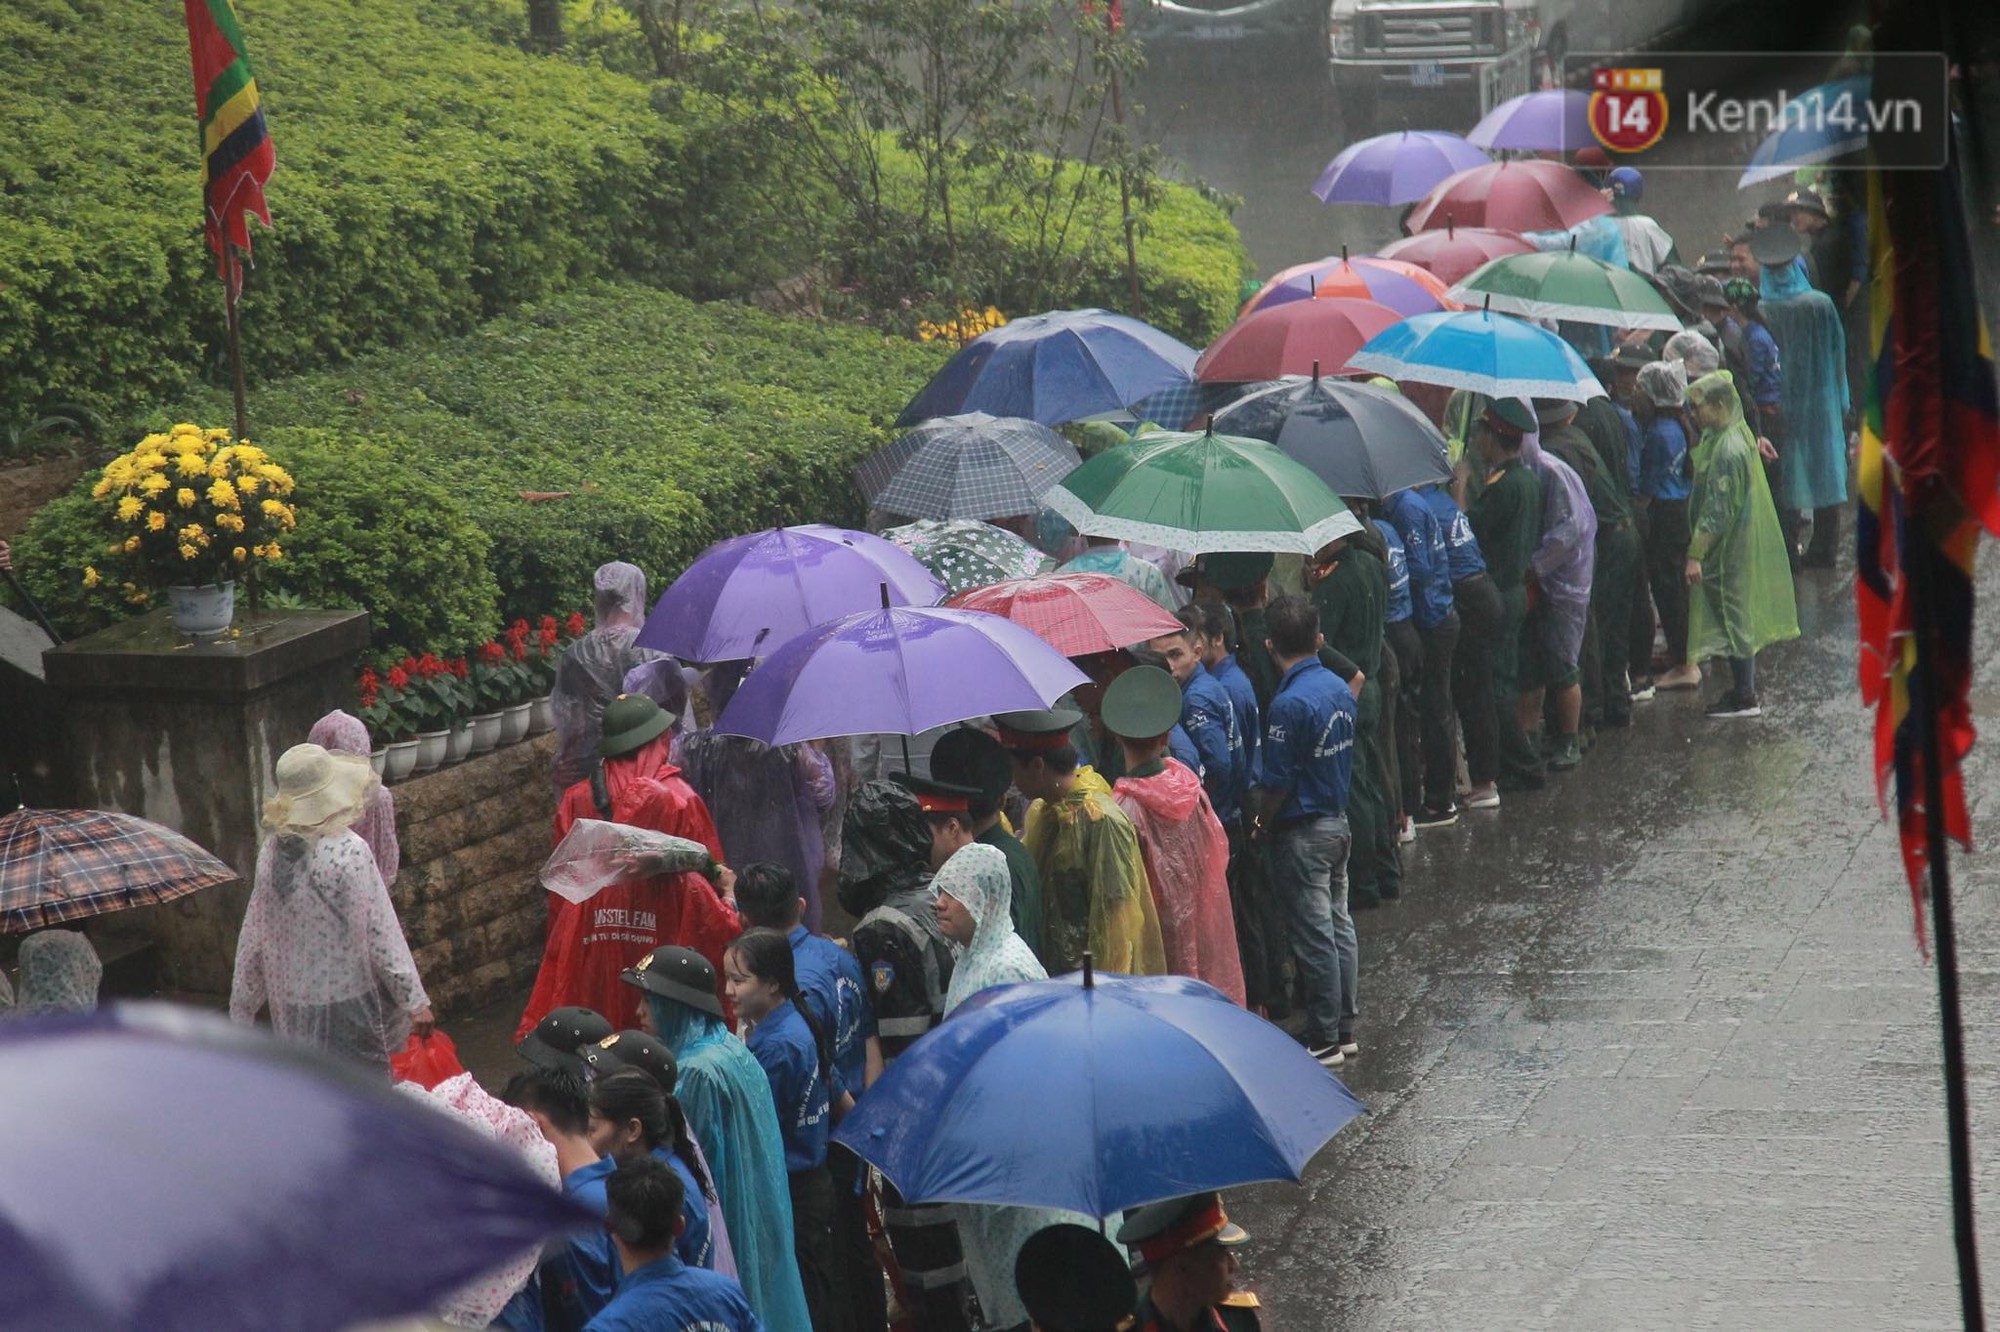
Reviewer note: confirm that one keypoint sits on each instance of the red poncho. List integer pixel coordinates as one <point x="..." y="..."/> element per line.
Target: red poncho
<point x="1187" y="862"/>
<point x="591" y="942"/>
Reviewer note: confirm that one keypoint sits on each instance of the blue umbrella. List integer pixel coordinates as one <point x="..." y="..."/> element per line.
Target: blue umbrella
<point x="1819" y="125"/>
<point x="1488" y="353"/>
<point x="1096" y="1097"/>
<point x="1395" y="168"/>
<point x="168" y="1169"/>
<point x="1054" y="368"/>
<point x="1551" y="120"/>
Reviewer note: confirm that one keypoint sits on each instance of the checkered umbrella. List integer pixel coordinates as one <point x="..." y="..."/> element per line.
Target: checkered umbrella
<point x="59" y="865"/>
<point x="965" y="554"/>
<point x="969" y="466"/>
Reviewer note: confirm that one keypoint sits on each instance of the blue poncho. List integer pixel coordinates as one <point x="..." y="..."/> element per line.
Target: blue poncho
<point x="1812" y="348"/>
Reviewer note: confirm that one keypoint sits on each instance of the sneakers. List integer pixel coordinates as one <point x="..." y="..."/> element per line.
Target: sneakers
<point x="1687" y="675"/>
<point x="1566" y="753"/>
<point x="1348" y="1048"/>
<point x="1406" y="832"/>
<point x="1642" y="691"/>
<point x="1733" y="704"/>
<point x="1483" y="797"/>
<point x="1329" y="1055"/>
<point x="1441" y="818"/>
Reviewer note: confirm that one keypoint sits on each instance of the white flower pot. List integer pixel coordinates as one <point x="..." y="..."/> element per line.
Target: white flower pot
<point x="376" y="760"/>
<point x="514" y="723"/>
<point x="541" y="715"/>
<point x="430" y="749"/>
<point x="204" y="612"/>
<point x="459" y="747"/>
<point x="485" y="731"/>
<point x="399" y="760"/>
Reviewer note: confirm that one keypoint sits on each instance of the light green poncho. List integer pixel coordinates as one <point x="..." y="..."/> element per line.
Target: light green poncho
<point x="1743" y="602"/>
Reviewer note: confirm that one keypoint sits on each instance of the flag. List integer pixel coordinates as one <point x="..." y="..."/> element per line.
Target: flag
<point x="236" y="153"/>
<point x="1928" y="477"/>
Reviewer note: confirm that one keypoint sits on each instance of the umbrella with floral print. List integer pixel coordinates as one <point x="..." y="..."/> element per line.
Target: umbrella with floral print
<point x="965" y="554"/>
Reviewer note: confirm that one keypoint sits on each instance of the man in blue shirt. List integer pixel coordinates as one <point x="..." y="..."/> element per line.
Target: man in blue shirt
<point x="1308" y="762"/>
<point x="660" y="1293"/>
<point x="577" y="1272"/>
<point x="1206" y="716"/>
<point x="1427" y="553"/>
<point x="1400" y="718"/>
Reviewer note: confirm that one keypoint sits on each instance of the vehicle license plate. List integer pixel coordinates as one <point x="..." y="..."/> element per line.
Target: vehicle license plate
<point x="1427" y="74"/>
<point x="1219" y="32"/>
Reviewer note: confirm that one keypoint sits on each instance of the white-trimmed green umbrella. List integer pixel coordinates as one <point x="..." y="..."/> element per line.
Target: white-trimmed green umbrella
<point x="1563" y="284"/>
<point x="1202" y="493"/>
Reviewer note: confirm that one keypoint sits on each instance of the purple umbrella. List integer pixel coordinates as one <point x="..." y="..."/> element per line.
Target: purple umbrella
<point x="1395" y="168"/>
<point x="1405" y="288"/>
<point x="745" y="596"/>
<point x="897" y="671"/>
<point x="1552" y="120"/>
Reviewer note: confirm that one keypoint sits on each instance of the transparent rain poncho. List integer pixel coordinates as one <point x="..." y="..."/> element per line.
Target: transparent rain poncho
<point x="1812" y="347"/>
<point x="593" y="669"/>
<point x="1696" y="353"/>
<point x="1187" y="862"/>
<point x="60" y="973"/>
<point x="1744" y="601"/>
<point x="321" y="947"/>
<point x="345" y="734"/>
<point x="1563" y="561"/>
<point x="1094" y="889"/>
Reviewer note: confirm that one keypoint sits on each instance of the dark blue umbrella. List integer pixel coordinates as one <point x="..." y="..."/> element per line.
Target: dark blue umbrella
<point x="1361" y="440"/>
<point x="1096" y="1097"/>
<point x="1055" y="368"/>
<point x="168" y="1169"/>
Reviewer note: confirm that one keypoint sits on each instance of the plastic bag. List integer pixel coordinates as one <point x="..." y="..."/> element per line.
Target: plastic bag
<point x="596" y="854"/>
<point x="426" y="1060"/>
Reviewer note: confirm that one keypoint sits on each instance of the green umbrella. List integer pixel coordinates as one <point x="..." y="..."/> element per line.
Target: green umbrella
<point x="1200" y="493"/>
<point x="1562" y="284"/>
<point x="964" y="553"/>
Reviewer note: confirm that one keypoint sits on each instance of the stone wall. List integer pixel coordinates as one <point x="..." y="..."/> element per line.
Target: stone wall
<point x="473" y="837"/>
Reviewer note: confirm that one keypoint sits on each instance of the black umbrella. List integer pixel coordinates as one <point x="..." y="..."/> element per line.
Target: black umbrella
<point x="1364" y="442"/>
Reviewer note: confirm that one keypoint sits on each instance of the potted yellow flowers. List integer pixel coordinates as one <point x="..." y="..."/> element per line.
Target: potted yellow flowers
<point x="190" y="511"/>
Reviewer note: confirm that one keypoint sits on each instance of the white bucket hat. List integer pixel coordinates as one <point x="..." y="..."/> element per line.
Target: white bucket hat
<point x="319" y="792"/>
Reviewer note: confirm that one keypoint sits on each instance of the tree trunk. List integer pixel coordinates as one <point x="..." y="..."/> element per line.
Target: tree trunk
<point x="545" y="24"/>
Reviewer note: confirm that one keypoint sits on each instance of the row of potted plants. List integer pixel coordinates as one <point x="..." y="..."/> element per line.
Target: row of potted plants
<point x="427" y="710"/>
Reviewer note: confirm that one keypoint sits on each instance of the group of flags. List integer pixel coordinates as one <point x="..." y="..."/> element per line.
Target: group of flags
<point x="236" y="153"/>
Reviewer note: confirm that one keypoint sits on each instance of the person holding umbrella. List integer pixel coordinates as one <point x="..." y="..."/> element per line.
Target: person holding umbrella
<point x="1188" y="1249"/>
<point x="1506" y="519"/>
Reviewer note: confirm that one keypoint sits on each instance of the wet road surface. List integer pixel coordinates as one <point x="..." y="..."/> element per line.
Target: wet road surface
<point x="1654" y="1048"/>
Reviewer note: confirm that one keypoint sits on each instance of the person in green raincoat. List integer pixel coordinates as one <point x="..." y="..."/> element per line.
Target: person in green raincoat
<point x="1740" y="581"/>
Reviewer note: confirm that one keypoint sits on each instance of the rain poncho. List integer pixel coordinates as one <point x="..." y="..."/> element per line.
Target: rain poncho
<point x="662" y="681"/>
<point x="1744" y="599"/>
<point x="344" y="734"/>
<point x="60" y="972"/>
<point x="322" y="947"/>
<point x="590" y="942"/>
<point x="1127" y="568"/>
<point x="727" y="1099"/>
<point x="1696" y="353"/>
<point x="1566" y="555"/>
<point x="592" y="670"/>
<point x="1094" y="890"/>
<point x="1187" y="862"/>
<point x="1812" y="464"/>
<point x="767" y="802"/>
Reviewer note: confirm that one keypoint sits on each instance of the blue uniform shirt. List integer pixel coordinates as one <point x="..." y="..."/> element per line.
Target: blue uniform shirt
<point x="1466" y="560"/>
<point x="1426" y="553"/>
<point x="696" y="1246"/>
<point x="1634" y="440"/>
<point x="1181" y="745"/>
<point x="580" y="1271"/>
<point x="1663" y="470"/>
<point x="1399" y="607"/>
<point x="1309" y="742"/>
<point x="1766" y="373"/>
<point x="783" y="1045"/>
<point x="1210" y="721"/>
<point x="669" y="1296"/>
<point x="1243" y="699"/>
<point x="830" y="983"/>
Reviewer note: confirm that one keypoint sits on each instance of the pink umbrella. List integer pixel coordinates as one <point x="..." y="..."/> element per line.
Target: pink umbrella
<point x="1456" y="251"/>
<point x="1514" y="196"/>
<point x="1076" y="613"/>
<point x="1293" y="339"/>
<point x="1405" y="288"/>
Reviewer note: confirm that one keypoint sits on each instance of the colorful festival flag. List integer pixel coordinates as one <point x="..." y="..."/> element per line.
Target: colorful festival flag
<point x="236" y="153"/>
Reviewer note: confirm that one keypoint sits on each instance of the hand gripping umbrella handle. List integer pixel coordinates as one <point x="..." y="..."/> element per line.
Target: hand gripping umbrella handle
<point x="40" y="618"/>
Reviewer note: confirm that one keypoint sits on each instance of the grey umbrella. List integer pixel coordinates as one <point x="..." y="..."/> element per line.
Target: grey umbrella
<point x="1364" y="442"/>
<point x="970" y="466"/>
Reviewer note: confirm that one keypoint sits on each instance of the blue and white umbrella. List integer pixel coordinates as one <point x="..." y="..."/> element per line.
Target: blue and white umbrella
<point x="969" y="466"/>
<point x="1488" y="353"/>
<point x="1817" y="126"/>
<point x="1054" y="368"/>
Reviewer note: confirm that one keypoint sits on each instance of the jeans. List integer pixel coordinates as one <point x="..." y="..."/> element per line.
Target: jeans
<point x="1743" y="676"/>
<point x="1408" y="645"/>
<point x="1309" y="873"/>
<point x="1439" y="743"/>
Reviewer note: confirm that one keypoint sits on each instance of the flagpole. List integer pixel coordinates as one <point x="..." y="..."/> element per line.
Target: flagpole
<point x="232" y="298"/>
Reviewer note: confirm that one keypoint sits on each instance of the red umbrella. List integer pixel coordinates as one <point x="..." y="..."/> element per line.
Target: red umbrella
<point x="1291" y="339"/>
<point x="1076" y="613"/>
<point x="1528" y="195"/>
<point x="1405" y="288"/>
<point x="1453" y="253"/>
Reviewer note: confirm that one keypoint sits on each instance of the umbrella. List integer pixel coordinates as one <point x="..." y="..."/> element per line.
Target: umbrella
<point x="962" y="553"/>
<point x="1077" y="613"/>
<point x="1455" y="251"/>
<point x="1290" y="339"/>
<point x="1361" y="440"/>
<point x="168" y="1169"/>
<point x="1813" y="131"/>
<point x="970" y="466"/>
<point x="1552" y="120"/>
<point x="896" y="671"/>
<point x="59" y="865"/>
<point x="1513" y="196"/>
<point x="1562" y="284"/>
<point x="1394" y="168"/>
<point x="746" y="595"/>
<point x="1054" y="368"/>
<point x="1488" y="353"/>
<point x="1201" y="493"/>
<point x="1096" y="1096"/>
<point x="1405" y="288"/>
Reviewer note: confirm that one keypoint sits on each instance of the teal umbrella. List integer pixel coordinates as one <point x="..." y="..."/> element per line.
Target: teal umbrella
<point x="1562" y="284"/>
<point x="1202" y="493"/>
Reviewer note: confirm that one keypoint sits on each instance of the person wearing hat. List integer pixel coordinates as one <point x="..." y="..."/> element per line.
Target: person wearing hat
<point x="1647" y="244"/>
<point x="1095" y="894"/>
<point x="727" y="1100"/>
<point x="957" y="812"/>
<point x="320" y="946"/>
<point x="1661" y="407"/>
<point x="1615" y="567"/>
<point x="591" y="942"/>
<point x="1506" y="519"/>
<point x="973" y="761"/>
<point x="1181" y="840"/>
<point x="1072" y="1279"/>
<point x="1350" y="590"/>
<point x="1838" y="263"/>
<point x="591" y="671"/>
<point x="1187" y="1248"/>
<point x="560" y="1039"/>
<point x="1812" y="456"/>
<point x="1715" y="263"/>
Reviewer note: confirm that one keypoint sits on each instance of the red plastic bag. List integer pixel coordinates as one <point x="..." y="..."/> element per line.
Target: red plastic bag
<point x="426" y="1061"/>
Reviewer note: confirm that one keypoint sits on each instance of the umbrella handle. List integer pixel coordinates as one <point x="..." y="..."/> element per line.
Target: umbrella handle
<point x="40" y="618"/>
<point x="1089" y="971"/>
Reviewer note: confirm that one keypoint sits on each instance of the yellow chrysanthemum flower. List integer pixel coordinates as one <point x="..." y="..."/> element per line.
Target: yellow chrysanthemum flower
<point x="102" y="489"/>
<point x="188" y="552"/>
<point x="240" y="554"/>
<point x="152" y="462"/>
<point x="153" y="443"/>
<point x="248" y="484"/>
<point x="131" y="545"/>
<point x="280" y="479"/>
<point x="250" y="455"/>
<point x="185" y="428"/>
<point x="192" y="464"/>
<point x="184" y="497"/>
<point x="216" y="436"/>
<point x="130" y="508"/>
<point x="156" y="521"/>
<point x="271" y="552"/>
<point x="90" y="578"/>
<point x="114" y="548"/>
<point x="154" y="484"/>
<point x="229" y="522"/>
<point x="273" y="508"/>
<point x="223" y="495"/>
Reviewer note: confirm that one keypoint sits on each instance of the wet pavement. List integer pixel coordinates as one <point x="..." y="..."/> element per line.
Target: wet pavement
<point x="1655" y="1048"/>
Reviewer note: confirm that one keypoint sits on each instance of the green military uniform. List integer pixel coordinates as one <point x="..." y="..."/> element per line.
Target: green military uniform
<point x="1506" y="519"/>
<point x="973" y="758"/>
<point x="1614" y="572"/>
<point x="1353" y="603"/>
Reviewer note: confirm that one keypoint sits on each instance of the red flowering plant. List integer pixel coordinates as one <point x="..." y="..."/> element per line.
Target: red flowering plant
<point x="499" y="675"/>
<point x="545" y="648"/>
<point x="436" y="695"/>
<point x="387" y="709"/>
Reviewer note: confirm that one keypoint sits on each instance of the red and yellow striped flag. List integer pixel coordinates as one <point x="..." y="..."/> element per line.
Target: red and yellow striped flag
<point x="236" y="153"/>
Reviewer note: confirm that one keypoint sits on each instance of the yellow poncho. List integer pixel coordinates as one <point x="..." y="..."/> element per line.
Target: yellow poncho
<point x="1094" y="889"/>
